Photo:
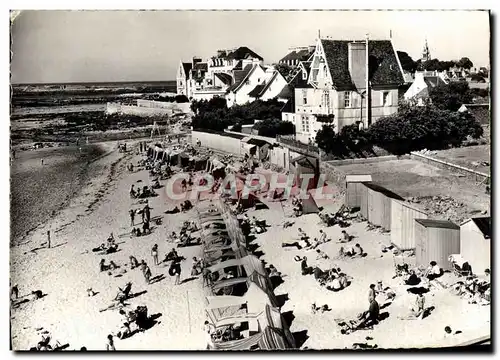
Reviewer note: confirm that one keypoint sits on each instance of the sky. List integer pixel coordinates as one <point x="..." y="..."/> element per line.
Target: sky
<point x="50" y="46"/>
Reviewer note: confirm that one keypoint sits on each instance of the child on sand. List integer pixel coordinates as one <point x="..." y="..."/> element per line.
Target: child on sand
<point x="110" y="344"/>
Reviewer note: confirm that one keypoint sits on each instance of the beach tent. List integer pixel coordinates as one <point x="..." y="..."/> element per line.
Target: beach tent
<point x="309" y="205"/>
<point x="219" y="255"/>
<point x="249" y="264"/>
<point x="220" y="308"/>
<point x="268" y="328"/>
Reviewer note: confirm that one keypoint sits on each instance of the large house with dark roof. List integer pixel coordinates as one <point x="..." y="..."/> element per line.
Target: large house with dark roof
<point x="336" y="86"/>
<point x="204" y="80"/>
<point x="296" y="55"/>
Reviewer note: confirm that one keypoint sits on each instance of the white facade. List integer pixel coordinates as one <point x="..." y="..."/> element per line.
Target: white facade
<point x="276" y="85"/>
<point x="419" y="87"/>
<point x="239" y="96"/>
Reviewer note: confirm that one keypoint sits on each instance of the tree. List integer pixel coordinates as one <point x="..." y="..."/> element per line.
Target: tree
<point x="431" y="65"/>
<point x="407" y="62"/>
<point x="465" y="63"/>
<point x="451" y="96"/>
<point x="273" y="127"/>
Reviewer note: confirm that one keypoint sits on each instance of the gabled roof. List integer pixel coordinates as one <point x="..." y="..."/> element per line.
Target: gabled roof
<point x="243" y="53"/>
<point x="225" y="78"/>
<point x="442" y="224"/>
<point x="288" y="107"/>
<point x="383" y="63"/>
<point x="187" y="68"/>
<point x="259" y="90"/>
<point x="240" y="76"/>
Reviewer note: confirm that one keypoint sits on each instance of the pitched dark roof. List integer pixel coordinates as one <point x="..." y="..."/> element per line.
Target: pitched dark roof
<point x="257" y="91"/>
<point x="289" y="106"/>
<point x="225" y="78"/>
<point x="201" y="66"/>
<point x="243" y="53"/>
<point x="383" y="64"/>
<point x="442" y="224"/>
<point x="301" y="55"/>
<point x="257" y="142"/>
<point x="239" y="77"/>
<point x="383" y="190"/>
<point x="484" y="225"/>
<point x="187" y="68"/>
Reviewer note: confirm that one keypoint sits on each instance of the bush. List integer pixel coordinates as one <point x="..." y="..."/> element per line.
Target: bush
<point x="273" y="127"/>
<point x="425" y="127"/>
<point x="181" y="99"/>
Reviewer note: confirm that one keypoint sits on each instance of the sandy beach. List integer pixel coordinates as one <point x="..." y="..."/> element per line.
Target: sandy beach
<point x="66" y="270"/>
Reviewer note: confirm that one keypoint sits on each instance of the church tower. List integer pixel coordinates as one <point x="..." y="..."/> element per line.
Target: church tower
<point x="426" y="54"/>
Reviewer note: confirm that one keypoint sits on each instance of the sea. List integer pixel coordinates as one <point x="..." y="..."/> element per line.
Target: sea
<point x="38" y="192"/>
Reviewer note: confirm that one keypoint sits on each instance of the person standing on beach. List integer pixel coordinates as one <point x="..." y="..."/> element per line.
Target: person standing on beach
<point x="146" y="271"/>
<point x="132" y="216"/>
<point x="110" y="344"/>
<point x="176" y="265"/>
<point x="154" y="254"/>
<point x="146" y="217"/>
<point x="41" y="160"/>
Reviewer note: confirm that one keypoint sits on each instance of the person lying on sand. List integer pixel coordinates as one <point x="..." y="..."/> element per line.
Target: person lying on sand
<point x="101" y="247"/>
<point x="175" y="210"/>
<point x="315" y="308"/>
<point x="302" y="244"/>
<point x="321" y="255"/>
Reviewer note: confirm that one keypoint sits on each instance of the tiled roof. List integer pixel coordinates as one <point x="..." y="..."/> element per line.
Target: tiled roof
<point x="301" y="55"/>
<point x="383" y="65"/>
<point x="187" y="68"/>
<point x="243" y="53"/>
<point x="289" y="106"/>
<point x="225" y="78"/>
<point x="239" y="77"/>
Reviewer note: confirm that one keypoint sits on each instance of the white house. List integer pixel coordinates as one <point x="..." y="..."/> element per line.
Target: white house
<point x="271" y="86"/>
<point x="336" y="87"/>
<point x="245" y="81"/>
<point x="424" y="81"/>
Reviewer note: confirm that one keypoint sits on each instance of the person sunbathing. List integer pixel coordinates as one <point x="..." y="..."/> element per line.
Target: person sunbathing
<point x="321" y="255"/>
<point x="412" y="279"/>
<point x="302" y="244"/>
<point x="133" y="262"/>
<point x="101" y="247"/>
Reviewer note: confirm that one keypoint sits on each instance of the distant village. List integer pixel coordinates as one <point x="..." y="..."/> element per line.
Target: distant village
<point x="325" y="82"/>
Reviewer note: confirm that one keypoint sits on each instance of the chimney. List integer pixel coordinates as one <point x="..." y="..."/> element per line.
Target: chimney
<point x="357" y="64"/>
<point x="196" y="60"/>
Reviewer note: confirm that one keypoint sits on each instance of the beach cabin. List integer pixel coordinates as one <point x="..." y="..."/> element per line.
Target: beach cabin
<point x="376" y="202"/>
<point x="354" y="189"/>
<point x="475" y="243"/>
<point x="436" y="240"/>
<point x="403" y="228"/>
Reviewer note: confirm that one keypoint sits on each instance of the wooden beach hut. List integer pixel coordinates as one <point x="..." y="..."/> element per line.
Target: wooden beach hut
<point x="475" y="243"/>
<point x="378" y="202"/>
<point x="354" y="189"/>
<point x="403" y="225"/>
<point x="436" y="240"/>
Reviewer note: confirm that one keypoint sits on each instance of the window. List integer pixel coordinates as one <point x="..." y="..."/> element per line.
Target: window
<point x="326" y="99"/>
<point x="386" y="99"/>
<point x="305" y="124"/>
<point x="180" y="83"/>
<point x="304" y="97"/>
<point x="247" y="82"/>
<point x="304" y="75"/>
<point x="347" y="99"/>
